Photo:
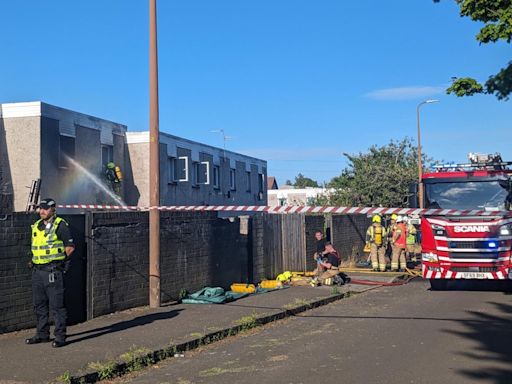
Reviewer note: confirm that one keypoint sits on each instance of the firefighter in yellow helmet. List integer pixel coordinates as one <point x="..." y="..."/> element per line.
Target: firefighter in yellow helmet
<point x="376" y="239"/>
<point x="399" y="241"/>
<point x="390" y="232"/>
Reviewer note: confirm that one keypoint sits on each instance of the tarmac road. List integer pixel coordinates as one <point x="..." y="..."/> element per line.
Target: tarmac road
<point x="405" y="334"/>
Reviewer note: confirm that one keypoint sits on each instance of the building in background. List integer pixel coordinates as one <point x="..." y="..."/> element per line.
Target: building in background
<point x="272" y="183"/>
<point x="192" y="173"/>
<point x="69" y="152"/>
<point x="42" y="141"/>
<point x="288" y="195"/>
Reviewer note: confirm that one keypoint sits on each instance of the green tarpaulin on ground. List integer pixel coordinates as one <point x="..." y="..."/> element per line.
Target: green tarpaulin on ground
<point x="218" y="295"/>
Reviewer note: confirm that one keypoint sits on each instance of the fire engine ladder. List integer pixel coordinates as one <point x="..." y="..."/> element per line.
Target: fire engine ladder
<point x="33" y="196"/>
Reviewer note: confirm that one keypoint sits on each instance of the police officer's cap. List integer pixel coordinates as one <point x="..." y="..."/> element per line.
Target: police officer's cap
<point x="47" y="203"/>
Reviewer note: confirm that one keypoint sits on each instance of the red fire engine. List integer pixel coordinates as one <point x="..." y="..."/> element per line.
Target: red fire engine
<point x="476" y="244"/>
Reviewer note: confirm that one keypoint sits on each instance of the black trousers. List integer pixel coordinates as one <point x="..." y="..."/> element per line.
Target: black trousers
<point x="49" y="295"/>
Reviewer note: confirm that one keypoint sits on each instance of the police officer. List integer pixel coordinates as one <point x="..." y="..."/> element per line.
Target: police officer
<point x="52" y="246"/>
<point x="376" y="239"/>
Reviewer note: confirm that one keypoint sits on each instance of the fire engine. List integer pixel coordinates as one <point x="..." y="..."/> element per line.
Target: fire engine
<point x="469" y="236"/>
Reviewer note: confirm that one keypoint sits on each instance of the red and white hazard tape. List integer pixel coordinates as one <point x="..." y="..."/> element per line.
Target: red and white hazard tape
<point x="294" y="209"/>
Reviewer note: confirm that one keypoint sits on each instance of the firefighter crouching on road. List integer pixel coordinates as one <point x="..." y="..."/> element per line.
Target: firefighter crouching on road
<point x="52" y="246"/>
<point x="376" y="238"/>
<point x="398" y="261"/>
<point x="411" y="240"/>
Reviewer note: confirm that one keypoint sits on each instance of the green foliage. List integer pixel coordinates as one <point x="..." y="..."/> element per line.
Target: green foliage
<point x="302" y="182"/>
<point x="379" y="177"/>
<point x="465" y="87"/>
<point x="247" y="322"/>
<point x="497" y="18"/>
<point x="65" y="378"/>
<point x="105" y="370"/>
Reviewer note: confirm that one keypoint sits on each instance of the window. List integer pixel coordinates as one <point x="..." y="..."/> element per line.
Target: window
<point x="172" y="170"/>
<point x="216" y="176"/>
<point x="200" y="173"/>
<point x="261" y="186"/>
<point x="205" y="172"/>
<point x="66" y="151"/>
<point x="195" y="174"/>
<point x="107" y="154"/>
<point x="232" y="179"/>
<point x="248" y="173"/>
<point x="182" y="168"/>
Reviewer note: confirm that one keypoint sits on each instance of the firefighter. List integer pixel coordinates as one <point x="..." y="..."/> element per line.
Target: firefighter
<point x="376" y="240"/>
<point x="399" y="241"/>
<point x="411" y="240"/>
<point x="114" y="176"/>
<point x="52" y="246"/>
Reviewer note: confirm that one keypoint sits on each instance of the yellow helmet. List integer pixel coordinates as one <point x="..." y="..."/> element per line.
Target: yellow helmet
<point x="285" y="276"/>
<point x="394" y="216"/>
<point x="376" y="219"/>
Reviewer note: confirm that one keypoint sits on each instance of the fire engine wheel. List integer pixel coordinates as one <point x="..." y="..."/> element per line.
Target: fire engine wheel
<point x="438" y="284"/>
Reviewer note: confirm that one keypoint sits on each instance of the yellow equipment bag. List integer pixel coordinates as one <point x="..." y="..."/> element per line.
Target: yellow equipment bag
<point x="270" y="284"/>
<point x="243" y="288"/>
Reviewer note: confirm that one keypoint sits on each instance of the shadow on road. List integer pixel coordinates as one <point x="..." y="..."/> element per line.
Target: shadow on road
<point x="493" y="333"/>
<point x="123" y="325"/>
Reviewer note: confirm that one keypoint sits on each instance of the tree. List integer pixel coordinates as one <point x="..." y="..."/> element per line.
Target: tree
<point x="497" y="17"/>
<point x="379" y="177"/>
<point x="302" y="182"/>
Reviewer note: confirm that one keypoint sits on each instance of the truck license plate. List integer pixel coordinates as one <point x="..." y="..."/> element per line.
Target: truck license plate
<point x="473" y="275"/>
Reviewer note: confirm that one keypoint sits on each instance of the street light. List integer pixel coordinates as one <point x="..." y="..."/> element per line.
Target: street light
<point x="420" y="165"/>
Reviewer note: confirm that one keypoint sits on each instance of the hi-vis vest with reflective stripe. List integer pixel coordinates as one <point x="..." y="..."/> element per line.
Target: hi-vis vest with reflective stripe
<point x="47" y="248"/>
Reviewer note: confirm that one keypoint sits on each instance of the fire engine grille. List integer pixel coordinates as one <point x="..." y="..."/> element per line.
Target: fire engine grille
<point x="468" y="244"/>
<point x="474" y="269"/>
<point x="473" y="255"/>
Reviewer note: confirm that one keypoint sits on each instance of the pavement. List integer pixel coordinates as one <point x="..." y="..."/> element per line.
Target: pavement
<point x="120" y="342"/>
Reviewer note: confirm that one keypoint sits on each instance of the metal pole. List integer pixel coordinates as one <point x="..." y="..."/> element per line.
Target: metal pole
<point x="420" y="165"/>
<point x="154" y="164"/>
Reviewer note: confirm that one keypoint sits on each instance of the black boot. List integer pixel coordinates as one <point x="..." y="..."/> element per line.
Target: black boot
<point x="58" y="343"/>
<point x="37" y="340"/>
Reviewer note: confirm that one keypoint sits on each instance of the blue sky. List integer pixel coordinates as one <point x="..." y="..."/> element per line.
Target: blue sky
<point x="294" y="82"/>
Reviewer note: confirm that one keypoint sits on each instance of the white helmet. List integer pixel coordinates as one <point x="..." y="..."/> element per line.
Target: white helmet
<point x="399" y="219"/>
<point x="405" y="219"/>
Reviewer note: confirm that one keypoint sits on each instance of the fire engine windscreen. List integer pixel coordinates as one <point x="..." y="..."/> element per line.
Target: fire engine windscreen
<point x="488" y="195"/>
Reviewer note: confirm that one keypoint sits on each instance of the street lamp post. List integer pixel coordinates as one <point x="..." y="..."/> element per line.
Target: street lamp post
<point x="420" y="164"/>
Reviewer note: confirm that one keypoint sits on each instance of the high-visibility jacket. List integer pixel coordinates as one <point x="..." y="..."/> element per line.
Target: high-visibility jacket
<point x="411" y="234"/>
<point x="376" y="234"/>
<point x="401" y="230"/>
<point x="46" y="246"/>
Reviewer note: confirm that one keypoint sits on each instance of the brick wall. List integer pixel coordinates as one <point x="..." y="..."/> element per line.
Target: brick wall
<point x="196" y="249"/>
<point x="15" y="276"/>
<point x="348" y="234"/>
